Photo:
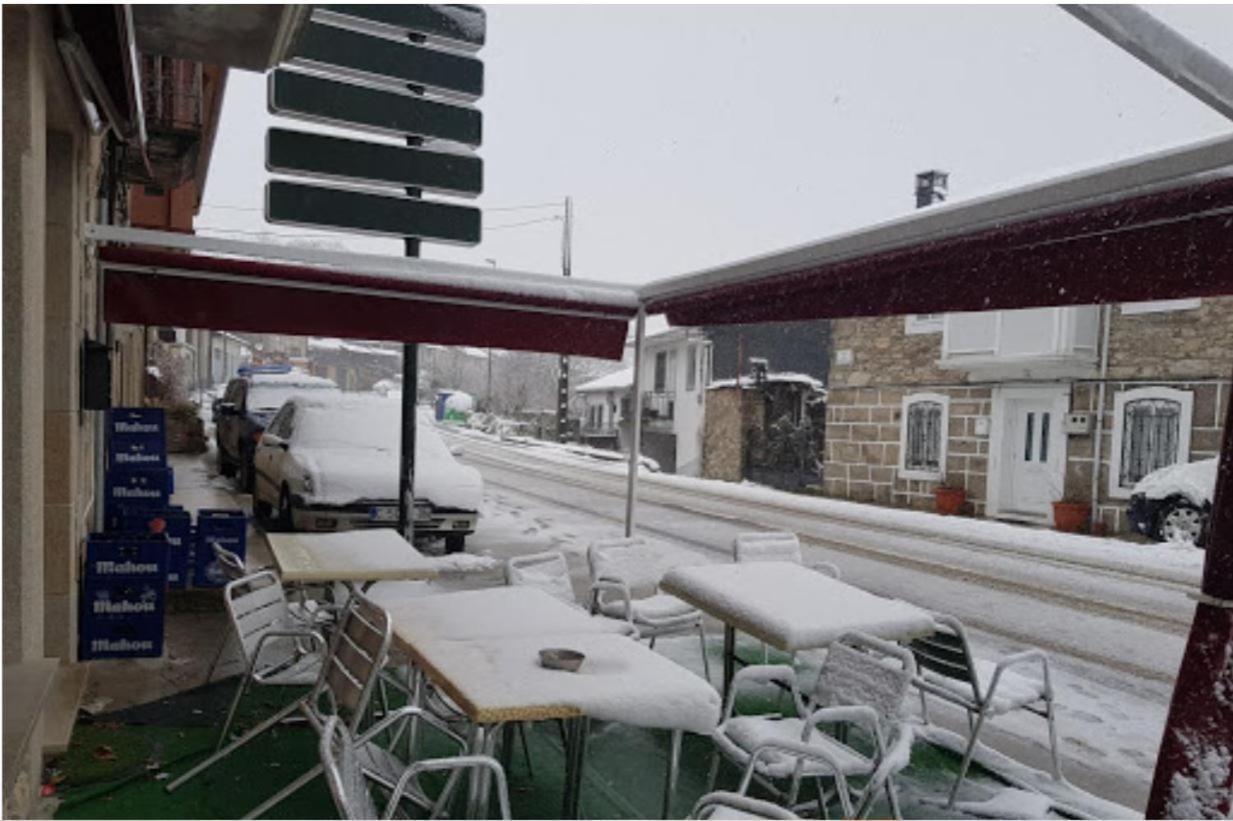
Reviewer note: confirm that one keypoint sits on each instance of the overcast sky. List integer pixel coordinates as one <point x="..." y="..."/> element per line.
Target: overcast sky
<point x="690" y="136"/>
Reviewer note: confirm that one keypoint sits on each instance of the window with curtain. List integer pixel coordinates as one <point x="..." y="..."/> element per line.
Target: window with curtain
<point x="1151" y="430"/>
<point x="923" y="436"/>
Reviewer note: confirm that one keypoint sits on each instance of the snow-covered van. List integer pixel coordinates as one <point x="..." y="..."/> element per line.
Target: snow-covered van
<point x="331" y="463"/>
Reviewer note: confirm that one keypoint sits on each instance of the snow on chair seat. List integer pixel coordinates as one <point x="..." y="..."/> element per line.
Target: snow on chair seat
<point x="744" y="734"/>
<point x="729" y="805"/>
<point x="660" y="607"/>
<point x="1014" y="690"/>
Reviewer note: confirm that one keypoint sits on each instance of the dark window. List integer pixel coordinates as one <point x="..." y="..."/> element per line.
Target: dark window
<point x="923" y="447"/>
<point x="1150" y="431"/>
<point x="661" y="371"/>
<point x="691" y="367"/>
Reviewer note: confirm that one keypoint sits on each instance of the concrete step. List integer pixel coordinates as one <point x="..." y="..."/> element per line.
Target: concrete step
<point x="61" y="711"/>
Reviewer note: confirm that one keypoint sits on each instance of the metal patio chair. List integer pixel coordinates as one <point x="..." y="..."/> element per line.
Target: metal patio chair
<point x="625" y="586"/>
<point x="776" y="546"/>
<point x="547" y="571"/>
<point x="723" y="804"/>
<point x="984" y="689"/>
<point x="278" y="651"/>
<point x="862" y="686"/>
<point x="342" y="760"/>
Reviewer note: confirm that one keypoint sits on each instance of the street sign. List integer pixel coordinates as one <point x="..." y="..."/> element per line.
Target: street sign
<point x="388" y="112"/>
<point x="336" y="158"/>
<point x="454" y="25"/>
<point x="387" y="60"/>
<point x="296" y="204"/>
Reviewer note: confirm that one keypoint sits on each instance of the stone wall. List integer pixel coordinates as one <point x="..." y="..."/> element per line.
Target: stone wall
<point x="1189" y="350"/>
<point x="722" y="442"/>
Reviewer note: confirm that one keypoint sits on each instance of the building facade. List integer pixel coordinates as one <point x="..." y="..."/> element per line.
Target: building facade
<point x="1024" y="408"/>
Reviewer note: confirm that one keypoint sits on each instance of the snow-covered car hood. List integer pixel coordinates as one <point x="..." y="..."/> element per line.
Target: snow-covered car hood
<point x="342" y="476"/>
<point x="1194" y="480"/>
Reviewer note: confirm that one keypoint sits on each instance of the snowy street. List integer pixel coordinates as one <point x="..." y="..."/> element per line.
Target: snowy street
<point x="1113" y="625"/>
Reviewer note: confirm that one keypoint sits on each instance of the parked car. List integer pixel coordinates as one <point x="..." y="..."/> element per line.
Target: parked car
<point x="331" y="463"/>
<point x="1174" y="504"/>
<point x="247" y="406"/>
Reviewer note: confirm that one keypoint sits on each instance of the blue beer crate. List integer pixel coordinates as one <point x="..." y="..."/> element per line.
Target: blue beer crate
<point x="133" y="488"/>
<point x="228" y="528"/>
<point x="178" y="529"/>
<point x="122" y="598"/>
<point x="117" y="555"/>
<point x="137" y="637"/>
<point x="136" y="437"/>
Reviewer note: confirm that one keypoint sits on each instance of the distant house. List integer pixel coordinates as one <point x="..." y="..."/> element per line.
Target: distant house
<point x="354" y="366"/>
<point x="676" y="371"/>
<point x="605" y="402"/>
<point x="1008" y="404"/>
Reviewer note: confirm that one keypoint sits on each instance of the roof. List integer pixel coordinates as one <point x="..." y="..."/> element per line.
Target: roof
<point x="224" y="284"/>
<point x="785" y="377"/>
<point x="333" y="343"/>
<point x="615" y="381"/>
<point x="1154" y="227"/>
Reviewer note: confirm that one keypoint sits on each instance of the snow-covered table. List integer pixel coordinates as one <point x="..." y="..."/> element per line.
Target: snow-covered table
<point x="481" y="648"/>
<point x="355" y="556"/>
<point x="789" y="606"/>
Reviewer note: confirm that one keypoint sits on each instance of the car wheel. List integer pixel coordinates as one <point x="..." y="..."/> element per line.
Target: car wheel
<point x="285" y="521"/>
<point x="1181" y="523"/>
<point x="224" y="467"/>
<point x="455" y="542"/>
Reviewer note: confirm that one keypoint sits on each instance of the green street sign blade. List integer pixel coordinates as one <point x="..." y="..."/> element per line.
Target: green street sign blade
<point x="291" y="203"/>
<point x="455" y="25"/>
<point x="322" y="100"/>
<point x="339" y="50"/>
<point x="336" y="158"/>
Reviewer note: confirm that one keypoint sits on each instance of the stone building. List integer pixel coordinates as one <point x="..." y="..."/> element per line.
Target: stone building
<point x="73" y="148"/>
<point x="1007" y="404"/>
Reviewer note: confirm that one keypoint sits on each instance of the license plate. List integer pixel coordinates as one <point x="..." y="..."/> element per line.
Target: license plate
<point x="383" y="514"/>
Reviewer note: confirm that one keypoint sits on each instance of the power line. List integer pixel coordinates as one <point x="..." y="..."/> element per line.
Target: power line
<point x="520" y="224"/>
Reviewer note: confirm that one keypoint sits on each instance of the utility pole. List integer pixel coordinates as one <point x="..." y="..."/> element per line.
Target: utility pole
<point x="567" y="239"/>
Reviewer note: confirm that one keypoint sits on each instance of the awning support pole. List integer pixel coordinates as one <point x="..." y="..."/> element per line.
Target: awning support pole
<point x="635" y="445"/>
<point x="1191" y="68"/>
<point x="1200" y="721"/>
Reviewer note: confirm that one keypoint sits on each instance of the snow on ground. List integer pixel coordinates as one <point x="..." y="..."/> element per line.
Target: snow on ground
<point x="1180" y="563"/>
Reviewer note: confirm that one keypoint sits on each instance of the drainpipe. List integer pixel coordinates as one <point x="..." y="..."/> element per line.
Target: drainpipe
<point x="635" y="445"/>
<point x="1097" y="444"/>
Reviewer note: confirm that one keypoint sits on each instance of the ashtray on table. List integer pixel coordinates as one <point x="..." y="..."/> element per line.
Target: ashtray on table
<point x="559" y="658"/>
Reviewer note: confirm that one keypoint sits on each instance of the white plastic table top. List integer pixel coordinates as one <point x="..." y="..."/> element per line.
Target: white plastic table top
<point x="501" y="679"/>
<point x="348" y="556"/>
<point x="792" y="607"/>
<point x="493" y="612"/>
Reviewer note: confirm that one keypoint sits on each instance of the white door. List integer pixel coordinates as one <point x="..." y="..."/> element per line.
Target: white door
<point x="1031" y="455"/>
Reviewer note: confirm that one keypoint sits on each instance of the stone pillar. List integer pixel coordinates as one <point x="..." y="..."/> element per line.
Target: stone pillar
<point x="24" y="161"/>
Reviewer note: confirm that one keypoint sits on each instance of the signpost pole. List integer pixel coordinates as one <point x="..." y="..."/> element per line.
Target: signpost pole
<point x="567" y="240"/>
<point x="410" y="386"/>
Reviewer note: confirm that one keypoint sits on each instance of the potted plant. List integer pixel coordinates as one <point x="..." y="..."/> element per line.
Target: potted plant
<point x="1071" y="515"/>
<point x="948" y="499"/>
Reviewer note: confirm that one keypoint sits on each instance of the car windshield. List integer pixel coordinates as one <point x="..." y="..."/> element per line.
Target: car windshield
<point x="375" y="424"/>
<point x="271" y="396"/>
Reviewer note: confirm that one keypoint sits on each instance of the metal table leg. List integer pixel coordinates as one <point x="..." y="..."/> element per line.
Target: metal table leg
<point x="674" y="769"/>
<point x="729" y="659"/>
<point x="475" y="746"/>
<point x="575" y="758"/>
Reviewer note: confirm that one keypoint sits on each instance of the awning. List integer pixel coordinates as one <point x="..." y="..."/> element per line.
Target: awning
<point x="192" y="282"/>
<point x="1154" y="228"/>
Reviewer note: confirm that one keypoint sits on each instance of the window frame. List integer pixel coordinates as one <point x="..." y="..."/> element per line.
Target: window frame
<point x="924" y="323"/>
<point x="914" y="473"/>
<point x="1185" y="423"/>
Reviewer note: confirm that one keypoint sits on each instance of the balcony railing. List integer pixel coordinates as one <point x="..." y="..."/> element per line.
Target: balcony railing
<point x="659" y="407"/>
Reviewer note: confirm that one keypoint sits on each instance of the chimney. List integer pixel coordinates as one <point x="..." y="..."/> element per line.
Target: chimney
<point x="930" y="187"/>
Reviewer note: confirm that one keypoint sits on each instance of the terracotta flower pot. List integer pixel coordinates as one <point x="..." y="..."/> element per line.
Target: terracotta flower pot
<point x="949" y="500"/>
<point x="1071" y="517"/>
